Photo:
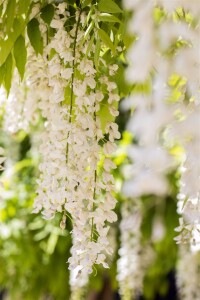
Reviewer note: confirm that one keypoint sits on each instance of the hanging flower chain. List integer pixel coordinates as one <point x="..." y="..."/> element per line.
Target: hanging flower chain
<point x="75" y="170"/>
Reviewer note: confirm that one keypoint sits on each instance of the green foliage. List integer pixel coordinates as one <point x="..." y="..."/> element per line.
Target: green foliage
<point x="10" y="14"/>
<point x="14" y="17"/>
<point x="47" y="13"/>
<point x="6" y="45"/>
<point x="20" y="54"/>
<point x="108" y="6"/>
<point x="106" y="39"/>
<point x="97" y="54"/>
<point x="23" y="7"/>
<point x="8" y="73"/>
<point x="105" y="115"/>
<point x="105" y="17"/>
<point x="32" y="250"/>
<point x="34" y="35"/>
<point x="86" y="3"/>
<point x="2" y="73"/>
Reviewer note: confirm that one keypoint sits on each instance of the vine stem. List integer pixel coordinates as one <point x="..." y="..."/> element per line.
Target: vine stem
<point x="72" y="78"/>
<point x="93" y="205"/>
<point x="94" y="194"/>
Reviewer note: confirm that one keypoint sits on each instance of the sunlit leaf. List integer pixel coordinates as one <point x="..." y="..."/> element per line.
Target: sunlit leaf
<point x="86" y="3"/>
<point x="8" y="73"/>
<point x="10" y="14"/>
<point x="106" y="39"/>
<point x="97" y="54"/>
<point x="6" y="45"/>
<point x="109" y="6"/>
<point x="23" y="6"/>
<point x="20" y="55"/>
<point x="105" y="17"/>
<point x="2" y="73"/>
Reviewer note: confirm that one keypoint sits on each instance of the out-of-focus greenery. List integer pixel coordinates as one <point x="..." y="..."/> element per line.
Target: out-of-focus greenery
<point x="33" y="251"/>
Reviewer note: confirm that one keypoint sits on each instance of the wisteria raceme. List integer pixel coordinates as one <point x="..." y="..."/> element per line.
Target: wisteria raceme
<point x="185" y="130"/>
<point x="184" y="63"/>
<point x="134" y="258"/>
<point x="95" y="210"/>
<point x="188" y="6"/>
<point x="151" y="115"/>
<point x="13" y="118"/>
<point x="187" y="277"/>
<point x="149" y="174"/>
<point x="143" y="50"/>
<point x="130" y="272"/>
<point x="75" y="170"/>
<point x="20" y="106"/>
<point x="190" y="182"/>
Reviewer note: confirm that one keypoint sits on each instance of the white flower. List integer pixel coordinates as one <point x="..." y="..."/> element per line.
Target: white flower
<point x="58" y="24"/>
<point x="133" y="259"/>
<point x="188" y="274"/>
<point x="109" y="148"/>
<point x="67" y="73"/>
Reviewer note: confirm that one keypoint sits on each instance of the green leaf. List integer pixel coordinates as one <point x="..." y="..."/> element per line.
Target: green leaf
<point x="2" y="73"/>
<point x="90" y="45"/>
<point x="105" y="17"/>
<point x="51" y="243"/>
<point x="106" y="39"/>
<point x="52" y="53"/>
<point x="88" y="30"/>
<point x="34" y="35"/>
<point x="47" y="13"/>
<point x="8" y="73"/>
<point x="20" y="55"/>
<point x="86" y="3"/>
<point x="109" y="6"/>
<point x="1" y="10"/>
<point x="104" y="113"/>
<point x="10" y="14"/>
<point x="7" y="45"/>
<point x="23" y="7"/>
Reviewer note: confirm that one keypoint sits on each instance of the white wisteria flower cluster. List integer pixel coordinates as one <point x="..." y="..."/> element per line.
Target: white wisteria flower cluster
<point x="189" y="197"/>
<point x="153" y="58"/>
<point x="77" y="141"/>
<point x="185" y="129"/>
<point x="152" y="113"/>
<point x="151" y="160"/>
<point x="187" y="277"/>
<point x="183" y="117"/>
<point x="133" y="258"/>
